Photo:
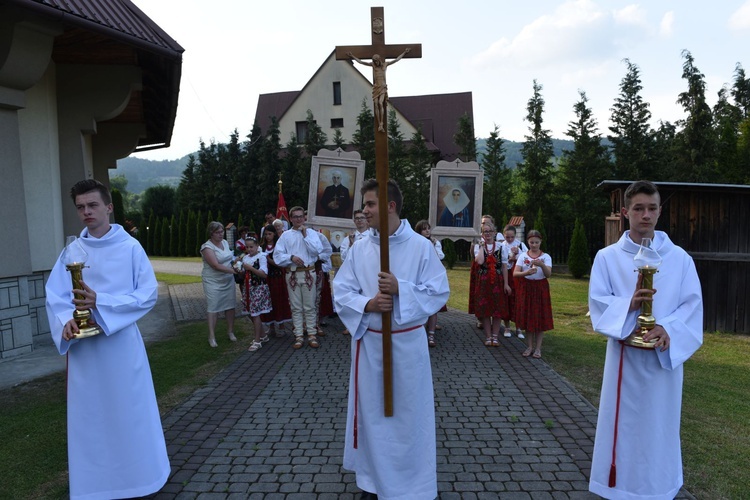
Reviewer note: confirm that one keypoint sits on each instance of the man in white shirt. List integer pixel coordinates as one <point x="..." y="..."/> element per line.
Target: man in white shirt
<point x="298" y="249"/>
<point x="363" y="227"/>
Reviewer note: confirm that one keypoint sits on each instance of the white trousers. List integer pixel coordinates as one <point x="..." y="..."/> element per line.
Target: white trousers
<point x="302" y="288"/>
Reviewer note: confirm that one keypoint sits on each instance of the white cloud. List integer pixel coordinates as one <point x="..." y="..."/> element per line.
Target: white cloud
<point x="740" y="19"/>
<point x="666" y="27"/>
<point x="578" y="31"/>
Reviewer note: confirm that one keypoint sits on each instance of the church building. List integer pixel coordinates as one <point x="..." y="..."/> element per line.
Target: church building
<point x="335" y="94"/>
<point x="82" y="84"/>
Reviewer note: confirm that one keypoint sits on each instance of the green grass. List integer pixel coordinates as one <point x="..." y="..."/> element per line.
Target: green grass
<point x="177" y="279"/>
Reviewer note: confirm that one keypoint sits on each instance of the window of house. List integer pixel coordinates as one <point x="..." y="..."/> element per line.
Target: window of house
<point x="336" y="94"/>
<point x="301" y="129"/>
<point x="337" y="123"/>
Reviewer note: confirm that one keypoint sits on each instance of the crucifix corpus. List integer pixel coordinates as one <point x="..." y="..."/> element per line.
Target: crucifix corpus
<point x="378" y="52"/>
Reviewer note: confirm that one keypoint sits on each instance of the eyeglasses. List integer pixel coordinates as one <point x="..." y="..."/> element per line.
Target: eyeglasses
<point x="298" y="216"/>
<point x="360" y="218"/>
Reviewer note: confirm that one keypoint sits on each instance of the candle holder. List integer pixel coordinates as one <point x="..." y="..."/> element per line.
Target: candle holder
<point x="647" y="260"/>
<point x="74" y="257"/>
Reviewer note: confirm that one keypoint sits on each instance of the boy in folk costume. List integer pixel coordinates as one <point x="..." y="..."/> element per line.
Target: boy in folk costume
<point x="393" y="457"/>
<point x="637" y="448"/>
<point x="116" y="445"/>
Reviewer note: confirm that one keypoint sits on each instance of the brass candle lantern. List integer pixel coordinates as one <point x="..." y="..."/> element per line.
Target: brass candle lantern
<point x="647" y="260"/>
<point x="74" y="257"/>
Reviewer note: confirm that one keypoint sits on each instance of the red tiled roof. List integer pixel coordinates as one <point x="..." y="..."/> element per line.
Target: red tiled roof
<point x="275" y="104"/>
<point x="118" y="19"/>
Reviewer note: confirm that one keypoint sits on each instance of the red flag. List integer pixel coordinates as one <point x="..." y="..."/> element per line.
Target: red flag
<point x="281" y="212"/>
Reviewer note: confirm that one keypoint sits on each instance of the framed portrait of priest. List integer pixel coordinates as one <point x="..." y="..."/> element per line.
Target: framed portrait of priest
<point x="456" y="200"/>
<point x="335" y="178"/>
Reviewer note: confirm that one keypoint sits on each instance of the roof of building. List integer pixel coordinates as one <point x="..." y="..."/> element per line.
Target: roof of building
<point x="106" y="32"/>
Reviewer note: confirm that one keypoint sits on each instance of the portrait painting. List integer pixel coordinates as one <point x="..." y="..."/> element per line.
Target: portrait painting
<point x="456" y="199"/>
<point x="335" y="179"/>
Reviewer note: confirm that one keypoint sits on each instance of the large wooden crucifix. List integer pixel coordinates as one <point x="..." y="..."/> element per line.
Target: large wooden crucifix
<point x="378" y="52"/>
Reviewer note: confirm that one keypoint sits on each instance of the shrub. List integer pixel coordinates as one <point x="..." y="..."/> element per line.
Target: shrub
<point x="449" y="249"/>
<point x="579" y="262"/>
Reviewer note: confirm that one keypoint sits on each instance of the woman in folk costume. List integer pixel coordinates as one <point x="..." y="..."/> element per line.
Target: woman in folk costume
<point x="641" y="397"/>
<point x="534" y="305"/>
<point x="256" y="298"/>
<point x="281" y="313"/>
<point x="491" y="288"/>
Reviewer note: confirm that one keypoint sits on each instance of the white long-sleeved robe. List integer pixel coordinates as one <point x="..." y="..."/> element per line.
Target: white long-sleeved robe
<point x="116" y="446"/>
<point x="648" y="454"/>
<point x="396" y="456"/>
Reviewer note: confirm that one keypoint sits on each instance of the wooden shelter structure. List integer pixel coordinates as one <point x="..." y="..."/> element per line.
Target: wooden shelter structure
<point x="709" y="221"/>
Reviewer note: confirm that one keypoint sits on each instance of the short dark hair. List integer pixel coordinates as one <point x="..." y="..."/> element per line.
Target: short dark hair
<point x="640" y="187"/>
<point x="357" y="212"/>
<point x="510" y="227"/>
<point x="394" y="192"/>
<point x="88" y="185"/>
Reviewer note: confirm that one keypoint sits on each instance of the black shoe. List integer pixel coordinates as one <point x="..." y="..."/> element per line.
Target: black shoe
<point x="366" y="495"/>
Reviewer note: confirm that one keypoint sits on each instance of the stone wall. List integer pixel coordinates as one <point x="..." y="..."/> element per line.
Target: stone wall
<point x="23" y="319"/>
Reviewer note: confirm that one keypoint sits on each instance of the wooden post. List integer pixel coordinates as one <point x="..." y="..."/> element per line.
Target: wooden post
<point x="383" y="51"/>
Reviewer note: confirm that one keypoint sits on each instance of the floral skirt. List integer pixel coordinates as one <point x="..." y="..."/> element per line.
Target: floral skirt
<point x="534" y="307"/>
<point x="257" y="299"/>
<point x="489" y="297"/>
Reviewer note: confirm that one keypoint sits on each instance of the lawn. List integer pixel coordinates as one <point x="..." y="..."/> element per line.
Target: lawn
<point x="716" y="409"/>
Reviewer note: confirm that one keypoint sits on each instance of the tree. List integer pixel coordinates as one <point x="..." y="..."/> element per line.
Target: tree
<point x="296" y="174"/>
<point x="174" y="236"/>
<point x="397" y="155"/>
<point x="338" y="139"/>
<point x="159" y="199"/>
<point x="741" y="91"/>
<point x="417" y="180"/>
<point x="117" y="207"/>
<point x="363" y="138"/>
<point x="727" y="119"/>
<point x="150" y="232"/>
<point x="585" y="166"/>
<point x="537" y="152"/>
<point x="631" y="140"/>
<point x="449" y="249"/>
<point x="579" y="261"/>
<point x="165" y="237"/>
<point x="187" y="196"/>
<point x="191" y="235"/>
<point x="497" y="178"/>
<point x="182" y="234"/>
<point x="465" y="139"/>
<point x="316" y="139"/>
<point x="539" y="226"/>
<point x="696" y="141"/>
<point x="155" y="237"/>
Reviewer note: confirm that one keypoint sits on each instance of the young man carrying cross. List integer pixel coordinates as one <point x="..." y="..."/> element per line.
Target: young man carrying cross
<point x="393" y="457"/>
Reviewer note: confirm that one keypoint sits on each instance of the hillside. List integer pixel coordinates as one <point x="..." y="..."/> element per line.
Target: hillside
<point x="142" y="174"/>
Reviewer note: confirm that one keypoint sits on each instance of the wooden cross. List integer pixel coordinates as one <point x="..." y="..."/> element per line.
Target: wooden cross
<point x="379" y="52"/>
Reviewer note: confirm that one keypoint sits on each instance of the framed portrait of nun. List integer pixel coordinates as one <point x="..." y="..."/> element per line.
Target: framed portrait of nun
<point x="456" y="200"/>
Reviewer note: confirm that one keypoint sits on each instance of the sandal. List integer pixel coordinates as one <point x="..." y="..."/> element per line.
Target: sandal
<point x="265" y="339"/>
<point x="537" y="354"/>
<point x="312" y="341"/>
<point x="527" y="353"/>
<point x="321" y="333"/>
<point x="495" y="340"/>
<point x="431" y="339"/>
<point x="488" y="342"/>
<point x="255" y="346"/>
<point x="297" y="342"/>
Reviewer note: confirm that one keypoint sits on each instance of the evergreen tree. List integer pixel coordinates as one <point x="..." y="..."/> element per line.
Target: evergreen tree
<point x="417" y="180"/>
<point x="539" y="226"/>
<point x="695" y="142"/>
<point x="200" y="233"/>
<point x="449" y="249"/>
<point x="191" y="236"/>
<point x="631" y="140"/>
<point x="316" y="139"/>
<point x="165" y="237"/>
<point x="174" y="236"/>
<point x="665" y="152"/>
<point x="187" y="196"/>
<point x="160" y="199"/>
<point x="182" y="234"/>
<point x="465" y="140"/>
<point x="296" y="175"/>
<point x="727" y="119"/>
<point x="260" y="169"/>
<point x="117" y="207"/>
<point x="586" y="165"/>
<point x="397" y="154"/>
<point x="363" y="138"/>
<point x="156" y="241"/>
<point x="579" y="261"/>
<point x="497" y="179"/>
<point x="150" y="232"/>
<point x="338" y="139"/>
<point x="741" y="91"/>
<point x="537" y="153"/>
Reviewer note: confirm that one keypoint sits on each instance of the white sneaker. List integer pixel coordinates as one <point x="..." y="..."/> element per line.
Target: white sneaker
<point x="521" y="335"/>
<point x="507" y="334"/>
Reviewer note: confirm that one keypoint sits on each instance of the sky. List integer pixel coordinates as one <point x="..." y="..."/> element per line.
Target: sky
<point x="236" y="50"/>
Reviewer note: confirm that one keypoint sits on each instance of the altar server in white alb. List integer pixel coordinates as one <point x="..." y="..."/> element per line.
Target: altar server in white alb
<point x="393" y="457"/>
<point x="637" y="452"/>
<point x="116" y="445"/>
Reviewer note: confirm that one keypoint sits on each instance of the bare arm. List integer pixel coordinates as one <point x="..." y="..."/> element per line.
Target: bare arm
<point x="398" y="58"/>
<point x="360" y="61"/>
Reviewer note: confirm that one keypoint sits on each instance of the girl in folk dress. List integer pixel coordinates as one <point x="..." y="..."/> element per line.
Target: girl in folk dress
<point x="514" y="248"/>
<point x="282" y="312"/>
<point x="256" y="298"/>
<point x="473" y="273"/>
<point x="423" y="227"/>
<point x="491" y="287"/>
<point x="534" y="306"/>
